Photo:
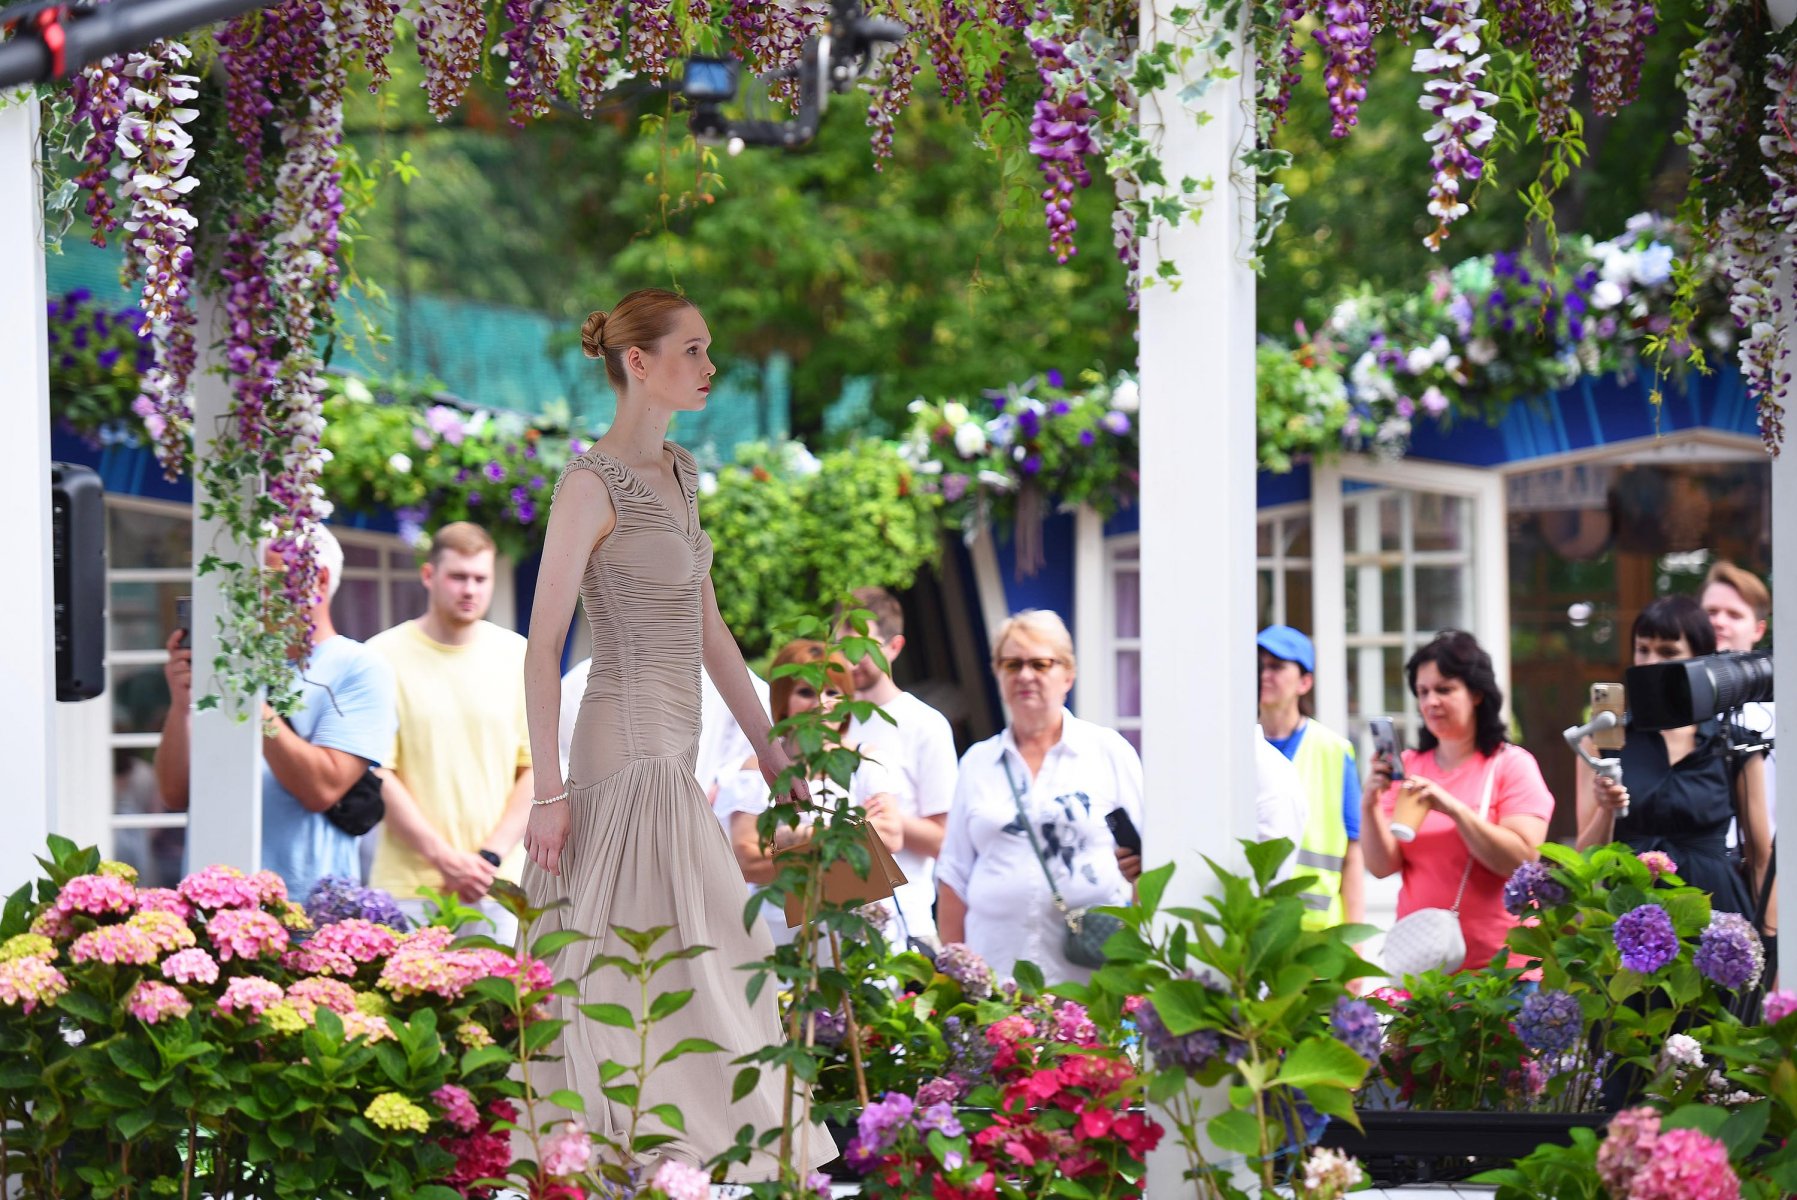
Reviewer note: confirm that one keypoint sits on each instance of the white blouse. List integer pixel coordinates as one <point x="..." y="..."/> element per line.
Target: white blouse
<point x="987" y="858"/>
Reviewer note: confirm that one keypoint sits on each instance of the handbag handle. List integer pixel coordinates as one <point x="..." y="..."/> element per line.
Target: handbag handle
<point x="1029" y="829"/>
<point x="1484" y="807"/>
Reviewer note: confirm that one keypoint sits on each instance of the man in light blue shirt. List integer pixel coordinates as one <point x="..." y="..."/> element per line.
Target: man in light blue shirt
<point x="347" y="714"/>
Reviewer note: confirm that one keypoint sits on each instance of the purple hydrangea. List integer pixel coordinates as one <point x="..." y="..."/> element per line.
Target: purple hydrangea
<point x="1550" y="1022"/>
<point x="1532" y="886"/>
<point x="1357" y="1026"/>
<point x="970" y="1055"/>
<point x="337" y="898"/>
<point x="1193" y="1051"/>
<point x="829" y="1027"/>
<point x="881" y="1121"/>
<point x="1646" y="938"/>
<point x="1729" y="953"/>
<point x="939" y="1118"/>
<point x="961" y="963"/>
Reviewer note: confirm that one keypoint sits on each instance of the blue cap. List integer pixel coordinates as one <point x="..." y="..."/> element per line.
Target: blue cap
<point x="1282" y="641"/>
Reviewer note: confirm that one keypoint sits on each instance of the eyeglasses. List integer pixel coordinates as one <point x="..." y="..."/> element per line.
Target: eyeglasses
<point x="1041" y="666"/>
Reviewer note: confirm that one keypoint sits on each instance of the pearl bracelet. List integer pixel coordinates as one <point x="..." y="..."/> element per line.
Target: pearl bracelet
<point x="535" y="803"/>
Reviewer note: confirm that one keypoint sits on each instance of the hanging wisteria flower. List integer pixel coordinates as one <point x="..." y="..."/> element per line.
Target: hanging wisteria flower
<point x="1729" y="953"/>
<point x="1532" y="886"/>
<point x="1550" y="1022"/>
<point x="891" y="96"/>
<point x="1646" y="938"/>
<point x="151" y="1001"/>
<point x="29" y="982"/>
<point x="1060" y="137"/>
<point x="450" y="35"/>
<point x="98" y="94"/>
<point x="1658" y="863"/>
<point x="1627" y="1147"/>
<point x="1345" y="33"/>
<point x="190" y="966"/>
<point x="1556" y="44"/>
<point x="1462" y="128"/>
<point x="1356" y="1025"/>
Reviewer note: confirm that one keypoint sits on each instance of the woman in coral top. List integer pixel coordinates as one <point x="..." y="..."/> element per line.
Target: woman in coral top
<point x="1463" y="741"/>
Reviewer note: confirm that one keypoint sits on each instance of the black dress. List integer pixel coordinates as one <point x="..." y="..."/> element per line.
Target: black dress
<point x="1684" y="809"/>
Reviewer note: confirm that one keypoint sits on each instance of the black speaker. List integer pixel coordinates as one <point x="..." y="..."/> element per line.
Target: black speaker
<point x="78" y="567"/>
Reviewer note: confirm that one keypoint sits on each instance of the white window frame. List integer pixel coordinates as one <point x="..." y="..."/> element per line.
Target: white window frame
<point x="1488" y="603"/>
<point x="1279" y="563"/>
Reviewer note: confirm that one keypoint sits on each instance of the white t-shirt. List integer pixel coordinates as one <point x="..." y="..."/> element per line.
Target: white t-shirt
<point x="920" y="763"/>
<point x="723" y="746"/>
<point x="741" y="791"/>
<point x="987" y="858"/>
<point x="1762" y="718"/>
<point x="1280" y="808"/>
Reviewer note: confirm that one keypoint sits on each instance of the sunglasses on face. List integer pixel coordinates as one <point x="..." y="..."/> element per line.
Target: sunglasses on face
<point x="1041" y="666"/>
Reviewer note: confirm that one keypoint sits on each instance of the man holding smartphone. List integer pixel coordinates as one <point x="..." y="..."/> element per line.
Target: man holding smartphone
<point x="1330" y="848"/>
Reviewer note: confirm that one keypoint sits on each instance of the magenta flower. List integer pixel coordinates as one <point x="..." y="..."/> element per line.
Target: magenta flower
<point x="166" y="900"/>
<point x="1686" y="1164"/>
<point x="457" y="1104"/>
<point x="168" y="931"/>
<point x="1778" y="1006"/>
<point x="1658" y="863"/>
<point x="308" y="995"/>
<point x="1627" y="1147"/>
<point x="568" y="1150"/>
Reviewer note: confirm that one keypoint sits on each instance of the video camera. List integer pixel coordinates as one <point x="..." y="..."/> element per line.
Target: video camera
<point x="1674" y="694"/>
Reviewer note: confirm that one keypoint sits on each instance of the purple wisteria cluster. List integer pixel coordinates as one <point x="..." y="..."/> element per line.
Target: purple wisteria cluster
<point x="1345" y="34"/>
<point x="1616" y="43"/>
<point x="1556" y="49"/>
<point x="1530" y="887"/>
<point x="1646" y="938"/>
<point x="1462" y="126"/>
<point x="450" y="37"/>
<point x="152" y="136"/>
<point x="1060" y="138"/>
<point x="1729" y="953"/>
<point x="1550" y="1022"/>
<point x="98" y="97"/>
<point x="536" y="45"/>
<point x="1356" y="1026"/>
<point x="652" y="39"/>
<point x="891" y="96"/>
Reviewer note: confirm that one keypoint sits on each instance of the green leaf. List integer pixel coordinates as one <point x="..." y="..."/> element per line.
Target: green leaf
<point x="746" y="1079"/>
<point x="1152" y="886"/>
<point x="134" y="1121"/>
<point x="1705" y="1118"/>
<point x="1029" y="977"/>
<point x="1183" y="1005"/>
<point x="687" y="1046"/>
<point x="669" y="1003"/>
<point x="1745" y="1127"/>
<point x="1322" y="1062"/>
<point x="549" y="943"/>
<point x="1235" y="1130"/>
<point x="623" y="1093"/>
<point x="609" y="1014"/>
<point x="670" y="1116"/>
<point x="571" y="1100"/>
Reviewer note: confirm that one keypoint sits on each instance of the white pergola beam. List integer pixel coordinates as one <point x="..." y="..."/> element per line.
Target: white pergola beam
<point x="1198" y="504"/>
<point x="28" y="651"/>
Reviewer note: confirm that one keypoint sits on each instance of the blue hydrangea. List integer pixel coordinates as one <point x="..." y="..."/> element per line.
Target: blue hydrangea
<point x="1532" y="886"/>
<point x="1646" y="938"/>
<point x="1729" y="953"/>
<point x="1357" y="1025"/>
<point x="1192" y="1051"/>
<point x="1550" y="1022"/>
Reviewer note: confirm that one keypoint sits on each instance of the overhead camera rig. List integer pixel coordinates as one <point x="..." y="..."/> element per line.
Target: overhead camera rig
<point x="54" y="40"/>
<point x="830" y="62"/>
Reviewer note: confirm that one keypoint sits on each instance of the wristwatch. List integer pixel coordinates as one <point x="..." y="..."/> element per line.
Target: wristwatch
<point x="488" y="855"/>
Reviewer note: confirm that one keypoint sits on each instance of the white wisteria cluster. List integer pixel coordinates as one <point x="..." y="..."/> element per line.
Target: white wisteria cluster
<point x="1462" y="126"/>
<point x="156" y="151"/>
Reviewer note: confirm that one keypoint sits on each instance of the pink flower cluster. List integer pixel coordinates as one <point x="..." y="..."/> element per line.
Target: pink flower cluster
<point x="342" y="948"/>
<point x="151" y="1001"/>
<point x="126" y="945"/>
<point x="166" y="930"/>
<point x="29" y="982"/>
<point x="569" y="1150"/>
<point x="1658" y="863"/>
<point x="248" y="993"/>
<point x="245" y="933"/>
<point x="166" y="900"/>
<point x="457" y="1104"/>
<point x="96" y="895"/>
<point x="191" y="966"/>
<point x="221" y="887"/>
<point x="308" y="995"/>
<point x="1640" y="1161"/>
<point x="1778" y="1006"/>
<point x="423" y="962"/>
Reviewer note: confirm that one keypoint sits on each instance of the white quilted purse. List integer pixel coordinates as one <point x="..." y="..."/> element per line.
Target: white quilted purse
<point x="1430" y="939"/>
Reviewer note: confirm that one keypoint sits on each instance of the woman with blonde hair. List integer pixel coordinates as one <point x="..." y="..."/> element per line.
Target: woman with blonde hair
<point x="628" y="839"/>
<point x="744" y="797"/>
<point x="1026" y="834"/>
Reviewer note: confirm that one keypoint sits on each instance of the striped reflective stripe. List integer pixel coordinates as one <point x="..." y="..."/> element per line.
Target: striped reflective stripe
<point x="1323" y="862"/>
<point x="1317" y="901"/>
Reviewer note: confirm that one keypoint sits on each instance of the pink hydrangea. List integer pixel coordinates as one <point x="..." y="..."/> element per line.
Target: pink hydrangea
<point x="415" y="969"/>
<point x="569" y="1150"/>
<point x="122" y="944"/>
<point x="1074" y="1026"/>
<point x="151" y="1001"/>
<point x="191" y="966"/>
<point x="245" y="933"/>
<point x="340" y="948"/>
<point x="246" y="993"/>
<point x="1658" y="863"/>
<point x="308" y="995"/>
<point x="531" y="973"/>
<point x="679" y="1181"/>
<point x="221" y="887"/>
<point x="96" y="895"/>
<point x="428" y="937"/>
<point x="53" y="923"/>
<point x="168" y="931"/>
<point x="29" y="982"/>
<point x="1778" y="1006"/>
<point x="270" y="887"/>
<point x="1627" y="1147"/>
<point x="361" y="1024"/>
<point x="166" y="900"/>
<point x="1008" y="1030"/>
<point x="457" y="1104"/>
<point x="1687" y="1164"/>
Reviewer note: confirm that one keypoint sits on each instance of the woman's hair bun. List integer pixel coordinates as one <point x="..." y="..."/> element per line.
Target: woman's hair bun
<point x="592" y="335"/>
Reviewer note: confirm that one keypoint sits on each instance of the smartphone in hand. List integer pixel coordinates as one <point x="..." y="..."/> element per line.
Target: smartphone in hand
<point x="1385" y="745"/>
<point x="1124" y="831"/>
<point x="184" y="621"/>
<point x="1610" y="698"/>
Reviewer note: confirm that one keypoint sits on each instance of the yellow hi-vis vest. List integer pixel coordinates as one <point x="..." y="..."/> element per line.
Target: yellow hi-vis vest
<point x="1322" y="756"/>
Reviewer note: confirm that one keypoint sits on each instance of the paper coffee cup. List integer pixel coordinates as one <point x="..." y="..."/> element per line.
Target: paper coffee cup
<point x="1408" y="814"/>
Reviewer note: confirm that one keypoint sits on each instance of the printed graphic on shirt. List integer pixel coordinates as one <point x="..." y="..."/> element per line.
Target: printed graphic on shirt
<point x="1063" y="836"/>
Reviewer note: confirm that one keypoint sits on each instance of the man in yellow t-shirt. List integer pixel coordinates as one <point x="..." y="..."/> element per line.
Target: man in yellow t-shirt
<point x="458" y="779"/>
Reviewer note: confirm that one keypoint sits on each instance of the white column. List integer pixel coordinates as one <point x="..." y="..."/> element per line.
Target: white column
<point x="224" y="814"/>
<point x="28" y="651"/>
<point x="1784" y="616"/>
<point x="1094" y="694"/>
<point x="1329" y="595"/>
<point x="1198" y="502"/>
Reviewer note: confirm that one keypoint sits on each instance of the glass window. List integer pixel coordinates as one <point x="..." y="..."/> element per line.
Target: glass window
<point x="139" y="697"/>
<point x="357" y="609"/>
<point x="1129" y="683"/>
<point x="1126" y="600"/>
<point x="143" y="612"/>
<point x="356" y="554"/>
<point x="140" y="537"/>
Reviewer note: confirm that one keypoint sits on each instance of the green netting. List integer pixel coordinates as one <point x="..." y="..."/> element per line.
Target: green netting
<point x="494" y="357"/>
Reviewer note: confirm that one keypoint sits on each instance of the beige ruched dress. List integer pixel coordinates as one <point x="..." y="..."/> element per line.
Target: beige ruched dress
<point x="644" y="849"/>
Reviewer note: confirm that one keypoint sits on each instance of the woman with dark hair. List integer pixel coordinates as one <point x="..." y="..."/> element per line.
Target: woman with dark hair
<point x="1464" y="763"/>
<point x="1680" y="787"/>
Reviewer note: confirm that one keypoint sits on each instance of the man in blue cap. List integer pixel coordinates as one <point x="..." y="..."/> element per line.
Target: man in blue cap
<point x="1325" y="761"/>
